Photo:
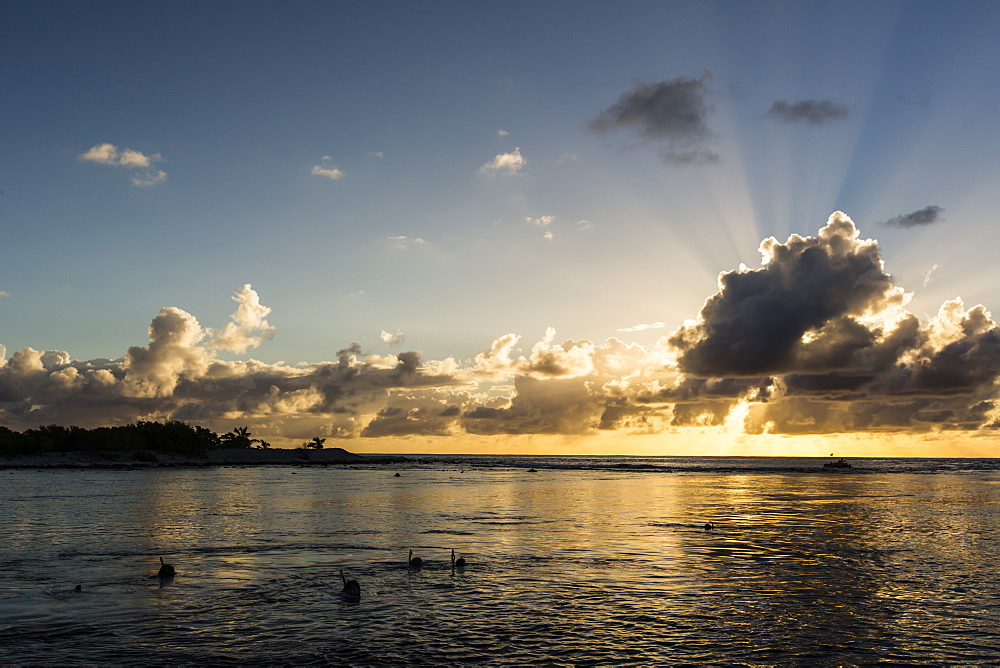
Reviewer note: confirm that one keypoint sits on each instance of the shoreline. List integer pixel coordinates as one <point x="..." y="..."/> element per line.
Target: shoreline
<point x="217" y="457"/>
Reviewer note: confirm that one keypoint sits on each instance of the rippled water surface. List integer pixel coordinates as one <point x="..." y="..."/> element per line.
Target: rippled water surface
<point x="583" y="561"/>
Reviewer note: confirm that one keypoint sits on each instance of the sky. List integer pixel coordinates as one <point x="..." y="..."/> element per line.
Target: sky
<point x="754" y="228"/>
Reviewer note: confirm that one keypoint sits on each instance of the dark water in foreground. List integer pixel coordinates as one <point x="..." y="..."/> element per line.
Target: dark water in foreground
<point x="587" y="560"/>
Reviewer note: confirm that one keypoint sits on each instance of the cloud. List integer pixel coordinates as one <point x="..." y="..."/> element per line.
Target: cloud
<point x="248" y="328"/>
<point x="925" y="216"/>
<point x="815" y="340"/>
<point x="672" y="115"/>
<point x="543" y="222"/>
<point x="391" y="339"/>
<point x="505" y="163"/>
<point x="927" y="274"/>
<point x="403" y="242"/>
<point x="502" y="133"/>
<point x="4" y="293"/>
<point x="149" y="179"/>
<point x="108" y="154"/>
<point x="326" y="170"/>
<point x="816" y="112"/>
<point x="143" y="175"/>
<point x="639" y="328"/>
<point x="173" y="351"/>
<point x="756" y="322"/>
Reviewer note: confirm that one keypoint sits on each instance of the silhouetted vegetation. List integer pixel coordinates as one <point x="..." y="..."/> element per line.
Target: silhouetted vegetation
<point x="239" y="437"/>
<point x="143" y="440"/>
<point x="315" y="444"/>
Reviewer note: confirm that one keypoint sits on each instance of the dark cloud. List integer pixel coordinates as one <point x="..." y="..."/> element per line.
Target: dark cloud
<point x="699" y="157"/>
<point x="671" y="114"/>
<point x="756" y="323"/>
<point x="816" y="112"/>
<point x="925" y="216"/>
<point x="826" y="324"/>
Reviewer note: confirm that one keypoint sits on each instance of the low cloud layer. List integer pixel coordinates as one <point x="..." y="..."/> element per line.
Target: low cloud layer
<point x="670" y="115"/>
<point x="817" y="339"/>
<point x="814" y="112"/>
<point x="925" y="216"/>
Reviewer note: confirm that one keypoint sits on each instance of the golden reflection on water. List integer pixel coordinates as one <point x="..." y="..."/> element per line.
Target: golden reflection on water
<point x="859" y="560"/>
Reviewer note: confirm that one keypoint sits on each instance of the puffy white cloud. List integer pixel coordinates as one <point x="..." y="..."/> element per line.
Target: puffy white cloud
<point x="392" y="339"/>
<point x="155" y="370"/>
<point x="329" y="172"/>
<point x="505" y="163"/>
<point x="249" y="327"/>
<point x="109" y="154"/>
<point x="568" y="360"/>
<point x="143" y="175"/>
<point x="496" y="362"/>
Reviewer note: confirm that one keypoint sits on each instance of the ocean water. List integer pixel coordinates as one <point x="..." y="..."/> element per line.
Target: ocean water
<point x="582" y="561"/>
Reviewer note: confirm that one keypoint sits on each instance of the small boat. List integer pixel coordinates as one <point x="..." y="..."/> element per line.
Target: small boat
<point x="839" y="464"/>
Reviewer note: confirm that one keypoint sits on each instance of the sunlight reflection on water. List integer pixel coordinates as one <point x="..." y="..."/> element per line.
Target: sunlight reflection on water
<point x="575" y="566"/>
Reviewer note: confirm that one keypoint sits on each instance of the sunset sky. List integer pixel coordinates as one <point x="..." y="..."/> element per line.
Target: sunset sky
<point x="506" y="227"/>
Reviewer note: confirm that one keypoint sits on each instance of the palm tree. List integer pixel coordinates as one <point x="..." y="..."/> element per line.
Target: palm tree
<point x="239" y="437"/>
<point x="317" y="443"/>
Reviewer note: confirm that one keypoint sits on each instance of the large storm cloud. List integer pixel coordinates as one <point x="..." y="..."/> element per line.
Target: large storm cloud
<point x="820" y="340"/>
<point x="816" y="339"/>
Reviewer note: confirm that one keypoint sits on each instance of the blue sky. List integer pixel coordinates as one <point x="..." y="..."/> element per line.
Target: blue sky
<point x="433" y="176"/>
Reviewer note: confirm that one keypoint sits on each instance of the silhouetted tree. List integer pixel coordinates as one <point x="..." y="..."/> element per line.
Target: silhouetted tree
<point x="316" y="443"/>
<point x="170" y="437"/>
<point x="239" y="437"/>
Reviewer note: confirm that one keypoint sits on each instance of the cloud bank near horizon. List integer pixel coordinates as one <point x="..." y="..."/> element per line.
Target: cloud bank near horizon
<point x="815" y="340"/>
